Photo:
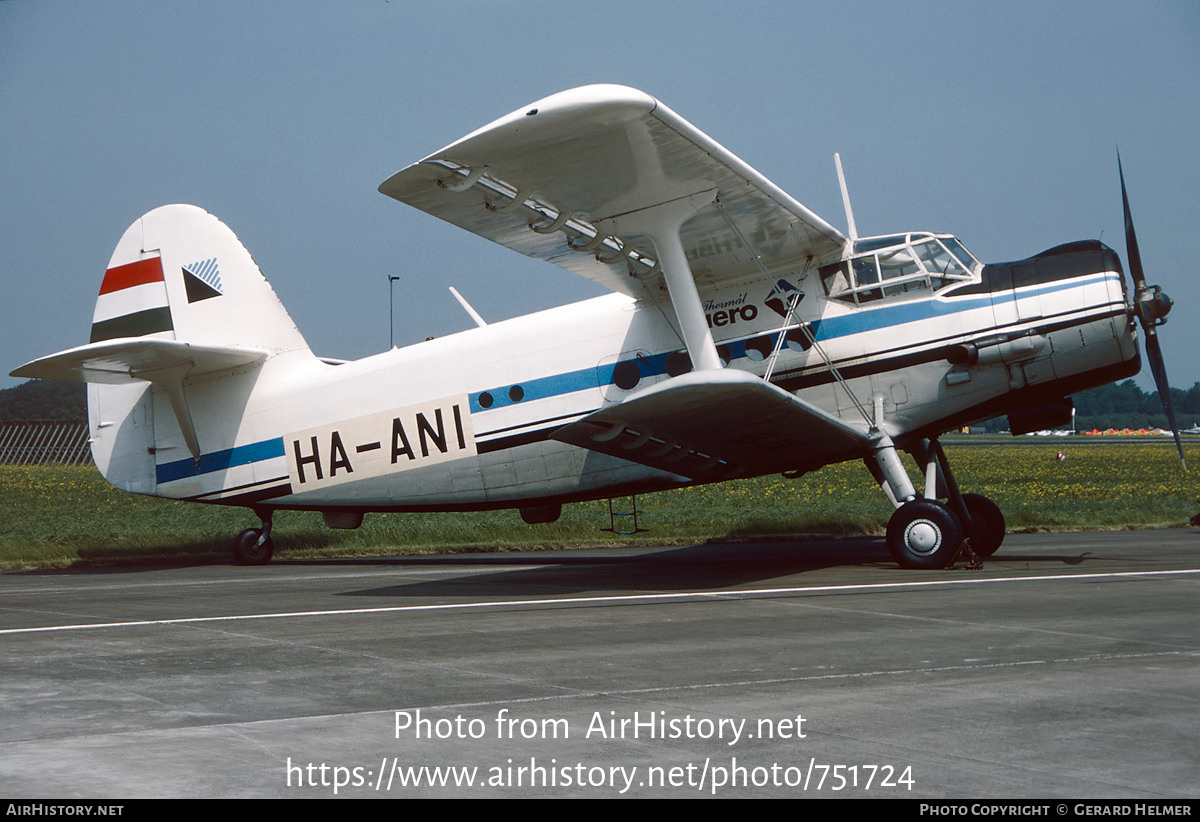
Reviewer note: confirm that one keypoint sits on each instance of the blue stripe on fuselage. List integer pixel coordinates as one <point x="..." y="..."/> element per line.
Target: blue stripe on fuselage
<point x="860" y="322"/>
<point x="220" y="460"/>
<point x="885" y="316"/>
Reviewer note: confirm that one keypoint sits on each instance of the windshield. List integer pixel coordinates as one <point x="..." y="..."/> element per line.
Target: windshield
<point x="898" y="264"/>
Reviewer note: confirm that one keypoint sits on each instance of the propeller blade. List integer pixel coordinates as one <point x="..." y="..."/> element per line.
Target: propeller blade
<point x="1131" y="244"/>
<point x="1151" y="311"/>
<point x="1159" y="369"/>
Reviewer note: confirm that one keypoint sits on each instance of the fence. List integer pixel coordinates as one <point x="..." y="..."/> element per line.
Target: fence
<point x="41" y="442"/>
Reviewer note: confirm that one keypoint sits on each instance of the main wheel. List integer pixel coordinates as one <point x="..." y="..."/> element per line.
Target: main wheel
<point x="923" y="533"/>
<point x="987" y="524"/>
<point x="247" y="551"/>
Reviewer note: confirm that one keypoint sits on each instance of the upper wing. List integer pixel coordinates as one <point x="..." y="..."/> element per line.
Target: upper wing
<point x="710" y="425"/>
<point x="550" y="179"/>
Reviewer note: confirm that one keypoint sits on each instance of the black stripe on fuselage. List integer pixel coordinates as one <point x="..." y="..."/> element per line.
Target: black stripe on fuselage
<point x="559" y="418"/>
<point x="248" y="497"/>
<point x="504" y="443"/>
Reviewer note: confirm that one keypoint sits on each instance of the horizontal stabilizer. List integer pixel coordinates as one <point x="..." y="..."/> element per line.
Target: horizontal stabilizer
<point x="166" y="363"/>
<point x="713" y="425"/>
<point x="115" y="362"/>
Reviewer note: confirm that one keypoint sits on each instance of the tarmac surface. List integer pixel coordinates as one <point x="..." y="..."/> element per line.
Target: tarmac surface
<point x="1068" y="667"/>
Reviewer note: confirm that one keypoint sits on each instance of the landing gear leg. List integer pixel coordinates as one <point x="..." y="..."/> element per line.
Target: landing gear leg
<point x="922" y="533"/>
<point x="254" y="545"/>
<point x="925" y="533"/>
<point x="981" y="518"/>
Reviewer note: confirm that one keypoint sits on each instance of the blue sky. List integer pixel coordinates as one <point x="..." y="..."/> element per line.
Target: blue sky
<point x="995" y="121"/>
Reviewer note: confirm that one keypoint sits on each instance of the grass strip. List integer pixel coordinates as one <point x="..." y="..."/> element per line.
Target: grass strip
<point x="59" y="516"/>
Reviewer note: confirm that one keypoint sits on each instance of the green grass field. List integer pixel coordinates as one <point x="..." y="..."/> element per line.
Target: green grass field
<point x="63" y="516"/>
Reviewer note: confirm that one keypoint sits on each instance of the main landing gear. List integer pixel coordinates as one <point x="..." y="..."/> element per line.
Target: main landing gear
<point x="926" y="533"/>
<point x="254" y="545"/>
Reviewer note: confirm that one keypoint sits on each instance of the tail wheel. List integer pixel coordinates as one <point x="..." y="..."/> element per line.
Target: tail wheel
<point x="248" y="551"/>
<point x="923" y="533"/>
<point x="987" y="524"/>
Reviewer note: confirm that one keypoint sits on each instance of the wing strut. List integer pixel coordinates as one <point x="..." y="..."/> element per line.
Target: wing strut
<point x="662" y="223"/>
<point x="171" y="380"/>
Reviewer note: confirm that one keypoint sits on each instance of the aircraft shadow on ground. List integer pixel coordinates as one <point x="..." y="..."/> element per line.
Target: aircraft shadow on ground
<point x="714" y="565"/>
<point x="678" y="569"/>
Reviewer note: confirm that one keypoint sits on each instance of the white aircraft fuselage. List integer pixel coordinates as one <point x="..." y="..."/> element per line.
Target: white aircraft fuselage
<point x="464" y="421"/>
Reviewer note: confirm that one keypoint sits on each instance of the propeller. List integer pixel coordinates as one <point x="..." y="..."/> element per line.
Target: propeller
<point x="1151" y="306"/>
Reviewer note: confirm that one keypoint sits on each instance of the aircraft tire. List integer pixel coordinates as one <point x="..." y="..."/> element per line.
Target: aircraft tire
<point x="247" y="551"/>
<point x="925" y="534"/>
<point x="987" y="530"/>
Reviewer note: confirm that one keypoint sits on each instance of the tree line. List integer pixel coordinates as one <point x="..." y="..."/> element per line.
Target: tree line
<point x="44" y="400"/>
<point x="1125" y="405"/>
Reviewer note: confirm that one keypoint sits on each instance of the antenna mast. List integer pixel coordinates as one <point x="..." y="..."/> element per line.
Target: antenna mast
<point x="837" y="160"/>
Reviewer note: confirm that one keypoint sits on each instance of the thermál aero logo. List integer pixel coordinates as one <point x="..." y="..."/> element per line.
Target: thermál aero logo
<point x="737" y="309"/>
<point x="202" y="280"/>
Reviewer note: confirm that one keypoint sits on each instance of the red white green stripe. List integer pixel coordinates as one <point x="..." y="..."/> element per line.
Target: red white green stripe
<point x="132" y="302"/>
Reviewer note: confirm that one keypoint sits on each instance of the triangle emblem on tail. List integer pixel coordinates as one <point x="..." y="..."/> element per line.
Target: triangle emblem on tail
<point x="202" y="280"/>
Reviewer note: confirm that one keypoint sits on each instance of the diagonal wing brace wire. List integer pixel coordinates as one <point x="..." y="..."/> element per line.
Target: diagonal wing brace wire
<point x="804" y="329"/>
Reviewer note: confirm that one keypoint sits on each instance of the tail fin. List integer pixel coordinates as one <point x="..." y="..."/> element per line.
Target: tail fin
<point x="181" y="299"/>
<point x="179" y="273"/>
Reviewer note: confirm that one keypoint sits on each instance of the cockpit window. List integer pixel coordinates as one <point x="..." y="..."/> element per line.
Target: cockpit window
<point x="939" y="261"/>
<point x="896" y="264"/>
<point x="876" y="243"/>
<point x="956" y="248"/>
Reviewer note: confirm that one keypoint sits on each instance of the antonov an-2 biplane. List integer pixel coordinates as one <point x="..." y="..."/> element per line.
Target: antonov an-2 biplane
<point x="744" y="336"/>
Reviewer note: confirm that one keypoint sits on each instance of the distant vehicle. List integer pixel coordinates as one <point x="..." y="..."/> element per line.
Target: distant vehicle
<point x="745" y="336"/>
